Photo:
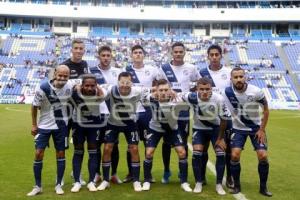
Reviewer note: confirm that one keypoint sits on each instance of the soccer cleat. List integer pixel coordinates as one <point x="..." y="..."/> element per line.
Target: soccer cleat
<point x="62" y="183"/>
<point x="91" y="186"/>
<point x="59" y="190"/>
<point x="146" y="186"/>
<point x="97" y="178"/>
<point x="265" y="192"/>
<point x="104" y="184"/>
<point x="35" y="191"/>
<point x="220" y="190"/>
<point x="115" y="179"/>
<point x="166" y="177"/>
<point x="235" y="190"/>
<point x="229" y="182"/>
<point x="76" y="187"/>
<point x="137" y="186"/>
<point x="186" y="187"/>
<point x="204" y="182"/>
<point x="198" y="188"/>
<point x="128" y="178"/>
<point x="82" y="182"/>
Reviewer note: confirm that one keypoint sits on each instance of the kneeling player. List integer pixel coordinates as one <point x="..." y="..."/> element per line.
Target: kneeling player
<point x="86" y="101"/>
<point x="209" y="125"/>
<point x="164" y="124"/>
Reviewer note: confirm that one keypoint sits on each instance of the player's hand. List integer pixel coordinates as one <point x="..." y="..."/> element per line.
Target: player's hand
<point x="77" y="87"/>
<point x="34" y="130"/>
<point x="261" y="136"/>
<point x="99" y="91"/>
<point x="173" y="95"/>
<point x="221" y="144"/>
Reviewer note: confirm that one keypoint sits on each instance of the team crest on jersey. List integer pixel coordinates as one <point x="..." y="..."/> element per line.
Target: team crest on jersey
<point x="85" y="70"/>
<point x="147" y="73"/>
<point x="186" y="72"/>
<point x="114" y="74"/>
<point x="224" y="76"/>
<point x="250" y="98"/>
<point x="211" y="108"/>
<point x="68" y="91"/>
<point x="98" y="75"/>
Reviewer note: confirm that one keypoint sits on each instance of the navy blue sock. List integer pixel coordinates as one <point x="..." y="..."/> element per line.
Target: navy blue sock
<point x="263" y="170"/>
<point x="98" y="160"/>
<point x="37" y="170"/>
<point x="203" y="166"/>
<point x="235" y="167"/>
<point x="114" y="159"/>
<point x="166" y="154"/>
<point x="105" y="169"/>
<point x="227" y="159"/>
<point x="183" y="169"/>
<point x="77" y="163"/>
<point x="129" y="162"/>
<point x="92" y="164"/>
<point x="196" y="163"/>
<point x="220" y="166"/>
<point x="135" y="171"/>
<point x="147" y="169"/>
<point x="61" y="166"/>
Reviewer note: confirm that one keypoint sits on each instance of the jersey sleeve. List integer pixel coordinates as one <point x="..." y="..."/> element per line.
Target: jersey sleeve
<point x="260" y="97"/>
<point x="224" y="112"/>
<point x="195" y="74"/>
<point x="39" y="96"/>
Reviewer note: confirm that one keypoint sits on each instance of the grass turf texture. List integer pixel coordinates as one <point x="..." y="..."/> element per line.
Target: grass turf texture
<point x="17" y="152"/>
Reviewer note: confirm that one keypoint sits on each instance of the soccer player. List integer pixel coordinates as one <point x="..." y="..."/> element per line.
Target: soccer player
<point x="77" y="67"/>
<point x="76" y="64"/>
<point x="123" y="103"/>
<point x="210" y="114"/>
<point x="244" y="101"/>
<point x="51" y="99"/>
<point x="106" y="74"/>
<point x="180" y="75"/>
<point x="220" y="77"/>
<point x="143" y="76"/>
<point x="164" y="124"/>
<point x="86" y="100"/>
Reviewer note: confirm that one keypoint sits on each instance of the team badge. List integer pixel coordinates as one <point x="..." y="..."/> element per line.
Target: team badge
<point x="224" y="76"/>
<point x="114" y="74"/>
<point x="250" y="98"/>
<point x="186" y="72"/>
<point x="147" y="73"/>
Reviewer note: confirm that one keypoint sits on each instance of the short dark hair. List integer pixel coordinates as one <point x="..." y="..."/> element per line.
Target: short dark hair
<point x="214" y="46"/>
<point x="177" y="44"/>
<point x="104" y="48"/>
<point x="124" y="74"/>
<point x="237" y="68"/>
<point x="84" y="77"/>
<point x="204" y="81"/>
<point x="77" y="41"/>
<point x="161" y="82"/>
<point x="137" y="46"/>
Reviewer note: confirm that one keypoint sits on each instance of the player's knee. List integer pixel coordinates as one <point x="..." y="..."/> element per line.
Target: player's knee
<point x="108" y="148"/>
<point x="181" y="153"/>
<point x="92" y="146"/>
<point x="235" y="156"/>
<point x="39" y="154"/>
<point x="149" y="154"/>
<point x="262" y="156"/>
<point x="133" y="149"/>
<point x="60" y="154"/>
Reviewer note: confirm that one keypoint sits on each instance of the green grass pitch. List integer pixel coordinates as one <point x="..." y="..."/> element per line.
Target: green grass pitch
<point x="17" y="151"/>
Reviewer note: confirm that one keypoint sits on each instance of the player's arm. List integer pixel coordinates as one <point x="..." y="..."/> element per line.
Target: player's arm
<point x="220" y="141"/>
<point x="101" y="93"/>
<point x="261" y="133"/>
<point x="34" y="128"/>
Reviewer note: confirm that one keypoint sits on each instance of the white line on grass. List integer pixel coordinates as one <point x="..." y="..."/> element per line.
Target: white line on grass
<point x="17" y="110"/>
<point x="211" y="167"/>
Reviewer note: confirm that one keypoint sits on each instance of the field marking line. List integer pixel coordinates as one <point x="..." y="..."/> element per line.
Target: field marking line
<point x="211" y="167"/>
<point x="17" y="110"/>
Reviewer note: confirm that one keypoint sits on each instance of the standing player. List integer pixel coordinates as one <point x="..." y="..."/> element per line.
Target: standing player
<point x="244" y="101"/>
<point x="220" y="77"/>
<point x="77" y="67"/>
<point x="143" y="76"/>
<point x="210" y="114"/>
<point x="164" y="124"/>
<point x="76" y="64"/>
<point x="180" y="75"/>
<point x="123" y="103"/>
<point x="106" y="74"/>
<point x="86" y="120"/>
<point x="51" y="99"/>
